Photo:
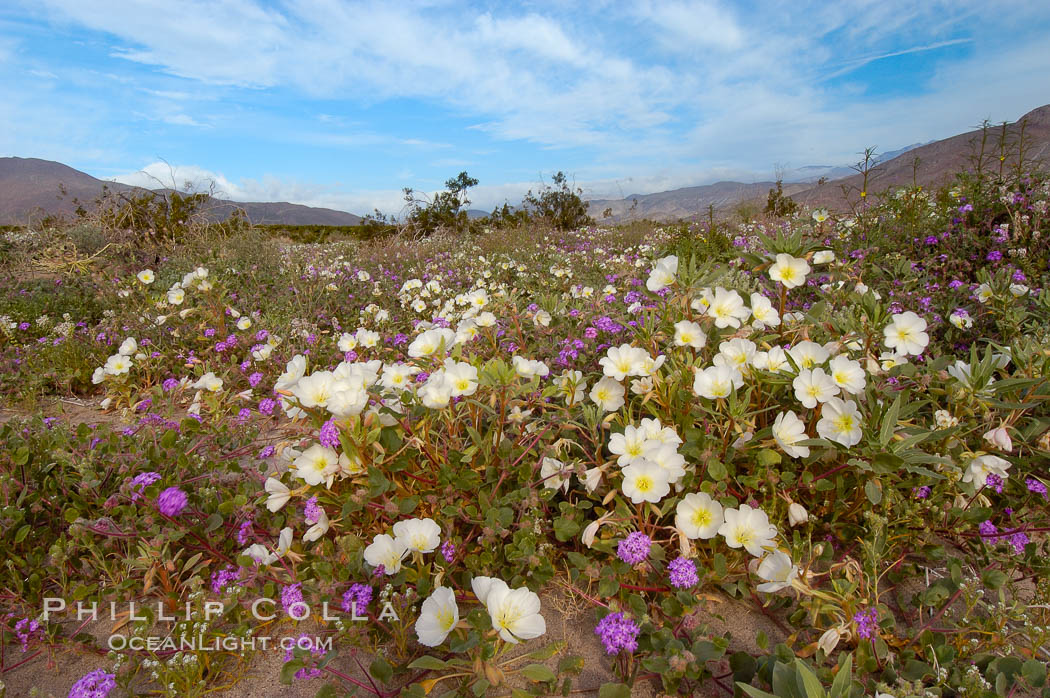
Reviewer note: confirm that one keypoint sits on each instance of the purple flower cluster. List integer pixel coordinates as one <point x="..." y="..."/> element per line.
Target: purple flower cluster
<point x="448" y="551"/>
<point x="140" y="482"/>
<point x="24" y="630"/>
<point x="223" y="577"/>
<point x="634" y="548"/>
<point x="311" y="511"/>
<point x="357" y="598"/>
<point x="1036" y="486"/>
<point x="267" y="452"/>
<point x="618" y="633"/>
<point x="994" y="482"/>
<point x="922" y="492"/>
<point x="329" y="435"/>
<point x="292" y="599"/>
<point x="867" y="622"/>
<point x="681" y="572"/>
<point x="94" y="684"/>
<point x="172" y="501"/>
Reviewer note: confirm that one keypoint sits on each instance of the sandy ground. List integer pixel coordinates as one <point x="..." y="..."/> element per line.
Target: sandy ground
<point x="567" y="621"/>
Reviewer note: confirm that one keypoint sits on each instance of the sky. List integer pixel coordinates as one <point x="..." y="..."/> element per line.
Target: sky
<point x="344" y="104"/>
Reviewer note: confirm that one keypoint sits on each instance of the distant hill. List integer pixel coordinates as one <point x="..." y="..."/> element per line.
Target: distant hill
<point x="31" y="188"/>
<point x="938" y="163"/>
<point x="690" y="202"/>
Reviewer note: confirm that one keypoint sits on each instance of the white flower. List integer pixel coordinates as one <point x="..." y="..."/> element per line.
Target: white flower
<point x="386" y="551"/>
<point x="128" y="347"/>
<point x="244" y="323"/>
<point x="663" y="274"/>
<point x="983" y="293"/>
<point x="689" y="334"/>
<point x="515" y="613"/>
<point x="481" y="586"/>
<point x="727" y="308"/>
<point x="629" y="446"/>
<point x="554" y="474"/>
<point x="99" y="375"/>
<point x="813" y="386"/>
<point x="420" y="535"/>
<point x="209" y="381"/>
<point x="888" y="360"/>
<point x="840" y="422"/>
<point x="823" y="257"/>
<point x="698" y="516"/>
<point x="278" y="494"/>
<point x="624" y="360"/>
<point x="717" y="382"/>
<point x="960" y="317"/>
<point x="1000" y="438"/>
<point x="829" y="640"/>
<point x="293" y="372"/>
<point x="462" y="377"/>
<point x="847" y="374"/>
<point x="763" y="313"/>
<point x="527" y="368"/>
<point x="316" y="464"/>
<point x="808" y="354"/>
<point x="748" y="528"/>
<point x="984" y="465"/>
<point x="176" y="296"/>
<point x="944" y="419"/>
<point x="146" y="276"/>
<point x="906" y="334"/>
<point x="430" y="342"/>
<point x="820" y="215"/>
<point x="436" y="393"/>
<point x="788" y="270"/>
<point x="608" y="394"/>
<point x="438" y="615"/>
<point x="542" y="318"/>
<point x="572" y="386"/>
<point x="318" y="529"/>
<point x="735" y="353"/>
<point x="788" y="430"/>
<point x="645" y="481"/>
<point x="778" y="571"/>
<point x="117" y="365"/>
<point x="797" y="514"/>
<point x="773" y="360"/>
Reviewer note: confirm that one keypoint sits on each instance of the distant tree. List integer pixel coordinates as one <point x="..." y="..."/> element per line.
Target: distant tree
<point x="558" y="205"/>
<point x="778" y="204"/>
<point x="446" y="210"/>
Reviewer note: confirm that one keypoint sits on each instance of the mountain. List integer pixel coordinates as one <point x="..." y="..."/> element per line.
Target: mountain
<point x="690" y="202"/>
<point x="935" y="164"/>
<point x="938" y="161"/>
<point x="31" y="188"/>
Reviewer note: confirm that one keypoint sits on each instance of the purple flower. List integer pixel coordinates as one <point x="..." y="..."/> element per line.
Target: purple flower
<point x="329" y="435"/>
<point x="94" y="684"/>
<point x="618" y="633"/>
<point x="305" y="642"/>
<point x="922" y="492"/>
<point x="357" y="598"/>
<point x="170" y="384"/>
<point x="292" y="599"/>
<point x="311" y="511"/>
<point x="867" y="622"/>
<point x="1018" y="541"/>
<point x="223" y="577"/>
<point x="448" y="551"/>
<point x="267" y="452"/>
<point x="988" y="529"/>
<point x="994" y="482"/>
<point x="634" y="548"/>
<point x="142" y="481"/>
<point x="266" y="406"/>
<point x="682" y="573"/>
<point x="1036" y="486"/>
<point x="255" y="379"/>
<point x="994" y="256"/>
<point x="24" y="630"/>
<point x="172" y="502"/>
<point x="244" y="532"/>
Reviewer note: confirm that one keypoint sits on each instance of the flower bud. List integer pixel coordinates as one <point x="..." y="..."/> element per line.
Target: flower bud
<point x="1000" y="438"/>
<point x="829" y="640"/>
<point x="797" y="514"/>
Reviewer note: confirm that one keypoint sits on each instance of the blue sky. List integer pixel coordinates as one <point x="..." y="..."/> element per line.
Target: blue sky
<point x="343" y="104"/>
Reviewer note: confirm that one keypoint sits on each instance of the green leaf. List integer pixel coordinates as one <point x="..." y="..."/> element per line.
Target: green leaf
<point x="22" y="533"/>
<point x="381" y="670"/>
<point x="889" y="422"/>
<point x="993" y="579"/>
<point x="840" y="687"/>
<point x="1034" y="673"/>
<point x="614" y="690"/>
<point x="537" y="672"/>
<point x="289" y="669"/>
<point x="808" y="681"/>
<point x="214" y="521"/>
<point x="873" y="491"/>
<point x="753" y="692"/>
<point x="428" y="662"/>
